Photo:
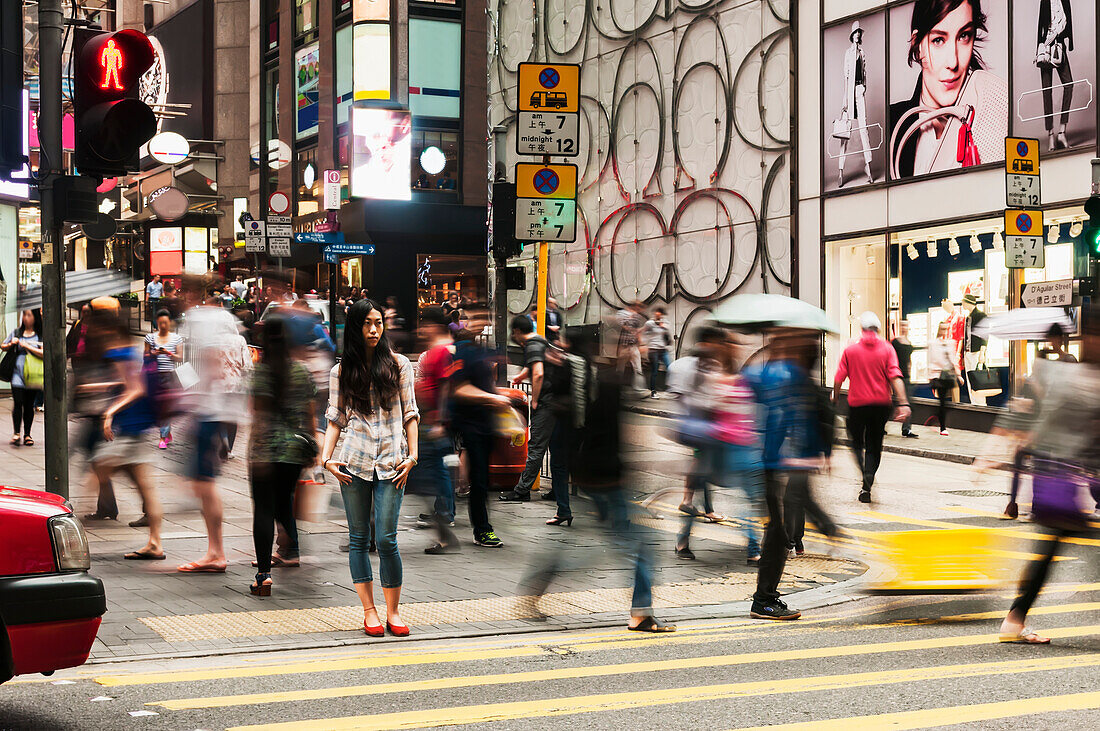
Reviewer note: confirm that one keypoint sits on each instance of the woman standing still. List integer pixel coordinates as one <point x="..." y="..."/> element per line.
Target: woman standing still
<point x="945" y="375"/>
<point x="166" y="346"/>
<point x="372" y="402"/>
<point x="282" y="444"/>
<point x="27" y="338"/>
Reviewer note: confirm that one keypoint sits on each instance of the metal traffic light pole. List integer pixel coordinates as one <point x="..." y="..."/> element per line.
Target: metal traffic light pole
<point x="50" y="20"/>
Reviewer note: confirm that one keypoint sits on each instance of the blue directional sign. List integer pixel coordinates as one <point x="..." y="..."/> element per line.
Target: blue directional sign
<point x="333" y="252"/>
<point x="316" y="237"/>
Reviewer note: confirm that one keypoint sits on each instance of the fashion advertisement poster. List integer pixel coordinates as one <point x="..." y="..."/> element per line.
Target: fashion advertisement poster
<point x="1054" y="72"/>
<point x="855" y="102"/>
<point x="307" y="65"/>
<point x="949" y="102"/>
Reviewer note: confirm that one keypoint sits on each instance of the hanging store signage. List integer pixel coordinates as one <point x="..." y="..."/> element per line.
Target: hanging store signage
<point x="169" y="148"/>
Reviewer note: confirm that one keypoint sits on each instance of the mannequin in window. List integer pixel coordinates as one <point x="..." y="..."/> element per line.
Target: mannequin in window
<point x="956" y="328"/>
<point x="855" y="105"/>
<point x="973" y="346"/>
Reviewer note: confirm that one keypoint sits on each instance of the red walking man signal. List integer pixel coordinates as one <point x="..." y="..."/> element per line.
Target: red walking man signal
<point x="110" y="58"/>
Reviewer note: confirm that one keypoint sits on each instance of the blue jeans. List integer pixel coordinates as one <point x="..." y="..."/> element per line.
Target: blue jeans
<point x="741" y="468"/>
<point x="634" y="539"/>
<point x="657" y="358"/>
<point x="436" y="475"/>
<point x="359" y="496"/>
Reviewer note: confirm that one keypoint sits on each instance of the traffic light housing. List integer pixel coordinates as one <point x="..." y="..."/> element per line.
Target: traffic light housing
<point x="504" y="221"/>
<point x="1091" y="232"/>
<point x="111" y="122"/>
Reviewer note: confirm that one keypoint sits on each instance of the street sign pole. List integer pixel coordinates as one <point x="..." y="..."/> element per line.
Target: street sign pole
<point x="544" y="258"/>
<point x="53" y="249"/>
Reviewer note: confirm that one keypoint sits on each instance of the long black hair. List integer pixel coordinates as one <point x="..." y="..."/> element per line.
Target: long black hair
<point x="361" y="374"/>
<point x="276" y="357"/>
<point x="37" y="315"/>
<point x="927" y="14"/>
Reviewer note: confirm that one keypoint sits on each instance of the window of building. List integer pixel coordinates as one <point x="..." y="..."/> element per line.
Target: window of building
<point x="305" y="17"/>
<point x="271" y="18"/>
<point x="307" y="183"/>
<point x="448" y="3"/>
<point x="435" y="68"/>
<point x="434" y="160"/>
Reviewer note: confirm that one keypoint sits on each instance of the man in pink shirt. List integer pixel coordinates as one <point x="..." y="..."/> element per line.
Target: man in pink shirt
<point x="870" y="365"/>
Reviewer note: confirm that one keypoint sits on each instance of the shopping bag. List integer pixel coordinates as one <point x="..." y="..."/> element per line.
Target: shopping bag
<point x="842" y="127"/>
<point x="34" y="375"/>
<point x="7" y="365"/>
<point x="187" y="376"/>
<point x="1056" y="489"/>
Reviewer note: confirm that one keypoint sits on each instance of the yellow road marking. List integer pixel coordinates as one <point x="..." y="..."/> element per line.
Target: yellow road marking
<point x="594" y="671"/>
<point x="687" y="636"/>
<point x="1009" y="532"/>
<point x="951" y="715"/>
<point x="647" y="698"/>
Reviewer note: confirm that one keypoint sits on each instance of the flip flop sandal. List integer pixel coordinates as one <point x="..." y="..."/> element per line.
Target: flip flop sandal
<point x="715" y="519"/>
<point x="15" y="440"/>
<point x="690" y="509"/>
<point x="1026" y="636"/>
<point x="143" y="556"/>
<point x="27" y="441"/>
<point x="201" y="568"/>
<point x="649" y="624"/>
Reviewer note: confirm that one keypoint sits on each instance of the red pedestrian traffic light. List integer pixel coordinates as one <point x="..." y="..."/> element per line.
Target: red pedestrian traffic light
<point x="111" y="122"/>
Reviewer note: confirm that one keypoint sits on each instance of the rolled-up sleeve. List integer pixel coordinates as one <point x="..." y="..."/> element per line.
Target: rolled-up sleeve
<point x="335" y="413"/>
<point x="408" y="394"/>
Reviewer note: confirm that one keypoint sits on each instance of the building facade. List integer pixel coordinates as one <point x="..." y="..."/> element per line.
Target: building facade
<point x="685" y="162"/>
<point x="901" y="157"/>
<point x="390" y="95"/>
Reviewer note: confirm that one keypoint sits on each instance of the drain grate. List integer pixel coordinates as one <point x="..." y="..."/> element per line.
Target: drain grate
<point x="974" y="493"/>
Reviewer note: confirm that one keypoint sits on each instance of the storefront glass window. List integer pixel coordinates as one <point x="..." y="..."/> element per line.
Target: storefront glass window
<point x="439" y="277"/>
<point x="434" y="160"/>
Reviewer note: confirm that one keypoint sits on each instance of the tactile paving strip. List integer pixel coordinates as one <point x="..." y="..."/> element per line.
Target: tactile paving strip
<point x="732" y="587"/>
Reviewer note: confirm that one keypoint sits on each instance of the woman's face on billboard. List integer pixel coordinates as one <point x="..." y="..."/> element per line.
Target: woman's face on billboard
<point x="945" y="55"/>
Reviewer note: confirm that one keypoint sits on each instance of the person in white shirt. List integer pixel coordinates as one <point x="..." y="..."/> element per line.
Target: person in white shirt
<point x="656" y="339"/>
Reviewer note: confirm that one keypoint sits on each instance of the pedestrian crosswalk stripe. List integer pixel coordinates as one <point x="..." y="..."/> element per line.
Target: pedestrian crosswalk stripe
<point x="950" y="716"/>
<point x="594" y="671"/>
<point x="1008" y="532"/>
<point x="480" y="653"/>
<point x="567" y="706"/>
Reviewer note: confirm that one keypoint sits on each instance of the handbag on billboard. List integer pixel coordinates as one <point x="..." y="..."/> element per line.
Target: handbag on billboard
<point x="1050" y="55"/>
<point x="842" y="127"/>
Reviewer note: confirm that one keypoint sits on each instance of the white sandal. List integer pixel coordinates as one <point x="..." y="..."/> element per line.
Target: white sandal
<point x="1026" y="636"/>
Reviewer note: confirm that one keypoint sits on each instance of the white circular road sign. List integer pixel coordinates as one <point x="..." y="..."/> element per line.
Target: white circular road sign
<point x="278" y="203"/>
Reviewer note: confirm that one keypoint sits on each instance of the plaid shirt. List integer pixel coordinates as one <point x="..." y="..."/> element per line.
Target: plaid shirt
<point x="374" y="444"/>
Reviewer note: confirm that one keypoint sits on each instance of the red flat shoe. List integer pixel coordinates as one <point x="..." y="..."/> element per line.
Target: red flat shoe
<point x="397" y="631"/>
<point x="376" y="631"/>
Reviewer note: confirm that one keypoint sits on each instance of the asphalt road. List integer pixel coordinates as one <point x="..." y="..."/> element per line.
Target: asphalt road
<point x="897" y="662"/>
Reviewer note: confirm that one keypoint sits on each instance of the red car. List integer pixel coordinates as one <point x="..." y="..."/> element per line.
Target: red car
<point x="50" y="607"/>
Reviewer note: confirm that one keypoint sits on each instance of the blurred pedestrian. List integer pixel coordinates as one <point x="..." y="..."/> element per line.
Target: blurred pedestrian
<point x="167" y="348"/>
<point x="870" y="366"/>
<point x="219" y="361"/>
<point x="25" y="343"/>
<point x="154" y="291"/>
<point x="629" y="355"/>
<point x="433" y="479"/>
<point x="691" y="379"/>
<point x="239" y="287"/>
<point x="555" y="321"/>
<point x="473" y="402"/>
<point x="779" y="381"/>
<point x="943" y="366"/>
<point x="1065" y="456"/>
<point x="372" y="402"/>
<point x="594" y="432"/>
<point x="656" y="337"/>
<point x="542" y="366"/>
<point x="126" y="419"/>
<point x="904" y="348"/>
<point x="283" y="442"/>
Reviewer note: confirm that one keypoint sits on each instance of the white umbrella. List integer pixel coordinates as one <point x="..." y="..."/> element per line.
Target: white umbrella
<point x="772" y="310"/>
<point x="79" y="287"/>
<point x="1026" y="323"/>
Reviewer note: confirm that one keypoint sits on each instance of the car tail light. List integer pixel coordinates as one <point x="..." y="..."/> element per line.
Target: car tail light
<point x="70" y="545"/>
